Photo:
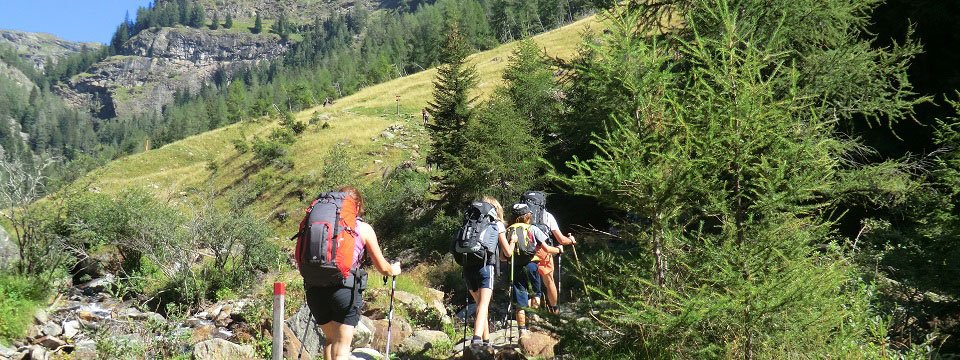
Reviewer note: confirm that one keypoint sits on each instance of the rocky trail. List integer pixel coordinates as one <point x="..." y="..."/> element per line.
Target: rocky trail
<point x="87" y="322"/>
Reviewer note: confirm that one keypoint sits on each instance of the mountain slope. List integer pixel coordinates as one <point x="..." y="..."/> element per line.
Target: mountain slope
<point x="39" y="47"/>
<point x="186" y="166"/>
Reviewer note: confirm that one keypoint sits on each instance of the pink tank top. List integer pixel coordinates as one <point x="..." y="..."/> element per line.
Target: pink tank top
<point x="358" y="246"/>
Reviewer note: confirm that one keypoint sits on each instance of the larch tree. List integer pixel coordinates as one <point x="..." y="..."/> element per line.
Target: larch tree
<point x="716" y="138"/>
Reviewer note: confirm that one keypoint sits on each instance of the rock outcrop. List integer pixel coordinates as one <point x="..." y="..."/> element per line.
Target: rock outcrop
<point x="40" y="47"/>
<point x="158" y="62"/>
<point x="297" y="10"/>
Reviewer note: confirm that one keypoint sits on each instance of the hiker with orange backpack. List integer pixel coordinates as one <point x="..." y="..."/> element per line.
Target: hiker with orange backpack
<point x="477" y="247"/>
<point x="329" y="252"/>
<point x="528" y="242"/>
<point x="542" y="219"/>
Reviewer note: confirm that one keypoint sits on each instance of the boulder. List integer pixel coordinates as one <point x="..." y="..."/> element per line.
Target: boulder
<point x="38" y="352"/>
<point x="423" y="340"/>
<point x="41" y="317"/>
<point x="537" y="344"/>
<point x="96" y="286"/>
<point x="363" y="333"/>
<point x="292" y="347"/>
<point x="6" y="352"/>
<point x="223" y="334"/>
<point x="366" y="354"/>
<point x="52" y="329"/>
<point x="85" y="350"/>
<point x="510" y="354"/>
<point x="412" y="303"/>
<point x="131" y="313"/>
<point x="400" y="331"/>
<point x="71" y="328"/>
<point x="479" y="352"/>
<point x="50" y="342"/>
<point x="219" y="349"/>
<point x="305" y="330"/>
<point x="435" y="299"/>
<point x="154" y="317"/>
<point x="203" y="333"/>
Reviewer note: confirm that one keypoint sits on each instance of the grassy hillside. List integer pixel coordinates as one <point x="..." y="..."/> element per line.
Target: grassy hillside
<point x="208" y="163"/>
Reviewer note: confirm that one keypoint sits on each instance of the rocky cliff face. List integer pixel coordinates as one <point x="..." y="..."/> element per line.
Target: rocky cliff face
<point x="298" y="10"/>
<point x="38" y="47"/>
<point x="157" y="63"/>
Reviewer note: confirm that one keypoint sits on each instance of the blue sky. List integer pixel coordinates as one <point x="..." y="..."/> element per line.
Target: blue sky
<point x="75" y="20"/>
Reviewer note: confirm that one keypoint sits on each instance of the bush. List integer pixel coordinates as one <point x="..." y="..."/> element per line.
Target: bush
<point x="265" y="151"/>
<point x="284" y="135"/>
<point x="241" y="146"/>
<point x="20" y="296"/>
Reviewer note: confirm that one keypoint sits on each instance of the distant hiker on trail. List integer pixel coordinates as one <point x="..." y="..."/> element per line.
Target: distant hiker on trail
<point x="476" y="248"/>
<point x="329" y="253"/>
<point x="542" y="219"/>
<point x="528" y="243"/>
<point x="425" y="115"/>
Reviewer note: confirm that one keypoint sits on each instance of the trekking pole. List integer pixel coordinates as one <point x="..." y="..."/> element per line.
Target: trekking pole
<point x="510" y="291"/>
<point x="393" y="288"/>
<point x="559" y="289"/>
<point x="466" y="304"/>
<point x="303" y="337"/>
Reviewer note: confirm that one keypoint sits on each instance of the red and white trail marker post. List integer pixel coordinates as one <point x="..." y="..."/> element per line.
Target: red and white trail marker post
<point x="279" y="290"/>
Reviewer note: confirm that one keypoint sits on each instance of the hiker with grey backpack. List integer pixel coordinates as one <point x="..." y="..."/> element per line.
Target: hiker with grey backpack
<point x="477" y="246"/>
<point x="528" y="243"/>
<point x="331" y="241"/>
<point x="536" y="202"/>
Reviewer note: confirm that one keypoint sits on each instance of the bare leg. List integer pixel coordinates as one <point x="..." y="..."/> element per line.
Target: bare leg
<point x="339" y="336"/>
<point x="482" y="326"/>
<point x="551" y="289"/>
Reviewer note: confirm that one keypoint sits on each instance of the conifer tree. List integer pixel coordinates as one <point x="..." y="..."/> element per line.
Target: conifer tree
<point x="257" y="25"/>
<point x="451" y="103"/>
<point x="197" y="16"/>
<point x="533" y="89"/>
<point x="228" y="22"/>
<point x="215" y="22"/>
<point x="726" y="169"/>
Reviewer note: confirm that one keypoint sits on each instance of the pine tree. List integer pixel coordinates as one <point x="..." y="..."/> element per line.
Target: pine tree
<point x="215" y="22"/>
<point x="120" y="37"/>
<point x="533" y="89"/>
<point x="257" y="25"/>
<point x="228" y="23"/>
<point x="198" y="17"/>
<point x="451" y="101"/>
<point x="726" y="169"/>
<point x="281" y="27"/>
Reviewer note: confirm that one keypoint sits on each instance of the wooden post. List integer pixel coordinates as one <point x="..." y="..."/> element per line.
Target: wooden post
<point x="279" y="290"/>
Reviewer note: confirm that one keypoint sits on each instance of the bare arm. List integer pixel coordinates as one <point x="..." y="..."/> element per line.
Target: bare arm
<point x="506" y="247"/>
<point x="373" y="248"/>
<point x="563" y="240"/>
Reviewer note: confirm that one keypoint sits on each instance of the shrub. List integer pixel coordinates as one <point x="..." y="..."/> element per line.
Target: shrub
<point x="283" y="135"/>
<point x="19" y="298"/>
<point x="241" y="146"/>
<point x="265" y="151"/>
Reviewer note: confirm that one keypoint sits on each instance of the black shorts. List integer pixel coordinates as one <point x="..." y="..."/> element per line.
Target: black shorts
<point x="479" y="277"/>
<point x="340" y="304"/>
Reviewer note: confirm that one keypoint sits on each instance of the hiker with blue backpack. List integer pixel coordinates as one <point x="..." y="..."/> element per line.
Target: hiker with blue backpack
<point x="528" y="243"/>
<point x="477" y="247"/>
<point x="536" y="202"/>
<point x="331" y="242"/>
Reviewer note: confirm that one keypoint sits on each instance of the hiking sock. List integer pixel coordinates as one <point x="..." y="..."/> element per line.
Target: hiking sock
<point x="476" y="340"/>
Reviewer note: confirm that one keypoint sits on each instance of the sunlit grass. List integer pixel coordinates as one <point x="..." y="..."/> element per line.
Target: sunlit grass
<point x="176" y="168"/>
